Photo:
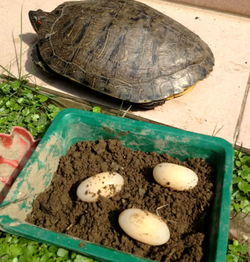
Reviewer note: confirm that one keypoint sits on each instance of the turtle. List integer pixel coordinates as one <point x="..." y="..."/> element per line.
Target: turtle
<point x="122" y="48"/>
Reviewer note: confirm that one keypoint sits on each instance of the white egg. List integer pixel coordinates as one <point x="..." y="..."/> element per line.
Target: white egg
<point x="144" y="226"/>
<point x="105" y="184"/>
<point x="175" y="176"/>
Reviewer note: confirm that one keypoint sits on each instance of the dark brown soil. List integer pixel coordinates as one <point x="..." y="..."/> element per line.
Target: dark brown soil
<point x="58" y="208"/>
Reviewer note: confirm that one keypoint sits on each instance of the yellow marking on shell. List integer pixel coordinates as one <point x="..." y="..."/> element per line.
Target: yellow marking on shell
<point x="181" y="93"/>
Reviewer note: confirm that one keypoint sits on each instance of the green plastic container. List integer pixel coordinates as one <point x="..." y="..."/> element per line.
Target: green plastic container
<point x="71" y="126"/>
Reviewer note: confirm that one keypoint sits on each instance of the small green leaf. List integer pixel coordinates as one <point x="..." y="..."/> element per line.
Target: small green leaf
<point x="4" y="110"/>
<point x="27" y="119"/>
<point x="21" y="100"/>
<point x="2" y="101"/>
<point x="246" y="209"/>
<point x="30" y="250"/>
<point x="236" y="180"/>
<point x="16" y="250"/>
<point x="245" y="158"/>
<point x="44" y="258"/>
<point x="29" y="95"/>
<point x="61" y="252"/>
<point x="25" y="111"/>
<point x="245" y="173"/>
<point x="236" y="207"/>
<point x="5" y="88"/>
<point x="96" y="109"/>
<point x="10" y="103"/>
<point x="53" y="249"/>
<point x="52" y="108"/>
<point x="80" y="258"/>
<point x="246" y="166"/>
<point x="52" y="115"/>
<point x="35" y="117"/>
<point x="41" y="128"/>
<point x="232" y="258"/>
<point x="16" y="85"/>
<point x="42" y="98"/>
<point x="238" y="163"/>
<point x="244" y="187"/>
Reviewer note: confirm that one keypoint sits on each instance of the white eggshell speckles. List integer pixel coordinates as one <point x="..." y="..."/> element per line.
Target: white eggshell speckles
<point x="144" y="226"/>
<point x="175" y="176"/>
<point x="105" y="184"/>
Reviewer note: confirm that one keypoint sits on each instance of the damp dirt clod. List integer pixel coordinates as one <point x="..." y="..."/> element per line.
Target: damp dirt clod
<point x="58" y="208"/>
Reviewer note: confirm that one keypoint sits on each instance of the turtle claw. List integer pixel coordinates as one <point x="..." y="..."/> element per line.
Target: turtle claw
<point x="15" y="150"/>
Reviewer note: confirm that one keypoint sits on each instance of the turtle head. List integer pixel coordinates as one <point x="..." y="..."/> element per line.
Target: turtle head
<point x="39" y="18"/>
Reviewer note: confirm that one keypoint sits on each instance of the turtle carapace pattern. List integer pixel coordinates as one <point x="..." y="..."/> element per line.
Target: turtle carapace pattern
<point x="122" y="48"/>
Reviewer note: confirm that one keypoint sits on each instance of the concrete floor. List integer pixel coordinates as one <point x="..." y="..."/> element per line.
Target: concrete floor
<point x="214" y="107"/>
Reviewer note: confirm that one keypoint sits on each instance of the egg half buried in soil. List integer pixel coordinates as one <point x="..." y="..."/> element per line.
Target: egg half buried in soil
<point x="105" y="184"/>
<point x="144" y="226"/>
<point x="175" y="176"/>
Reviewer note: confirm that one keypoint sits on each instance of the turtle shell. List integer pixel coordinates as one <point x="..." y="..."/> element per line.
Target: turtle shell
<point x="122" y="48"/>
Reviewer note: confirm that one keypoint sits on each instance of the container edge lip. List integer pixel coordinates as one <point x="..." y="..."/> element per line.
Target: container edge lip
<point x="64" y="112"/>
<point x="224" y="214"/>
<point x="224" y="211"/>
